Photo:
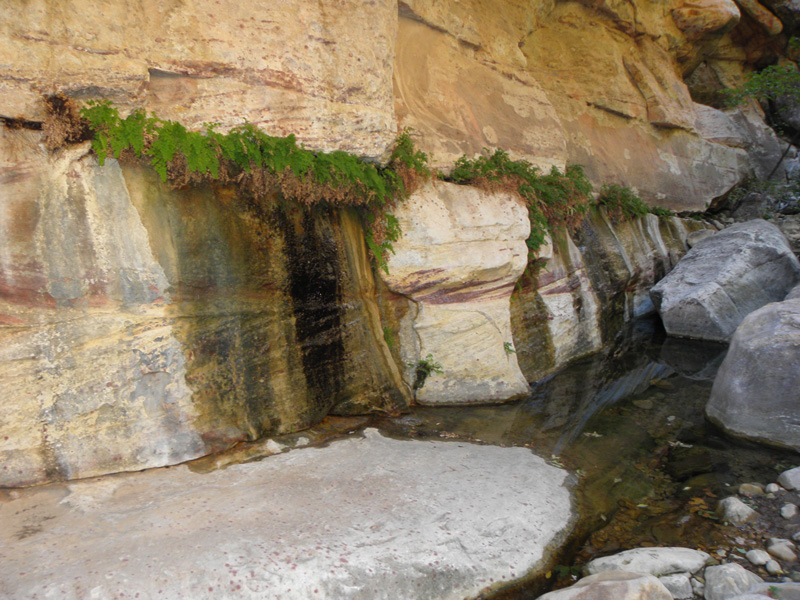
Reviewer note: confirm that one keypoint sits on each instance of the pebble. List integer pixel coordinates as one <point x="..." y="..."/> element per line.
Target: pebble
<point x="788" y="511"/>
<point x="678" y="585"/>
<point x="790" y="479"/>
<point x="796" y="537"/>
<point x="775" y="541"/>
<point x="773" y="488"/>
<point x="758" y="557"/>
<point x="774" y="568"/>
<point x="750" y="489"/>
<point x="782" y="552"/>
<point x="735" y="511"/>
<point x="643" y="404"/>
<point x="698" y="587"/>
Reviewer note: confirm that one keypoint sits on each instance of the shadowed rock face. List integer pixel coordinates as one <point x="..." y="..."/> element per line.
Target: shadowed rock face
<point x="144" y="326"/>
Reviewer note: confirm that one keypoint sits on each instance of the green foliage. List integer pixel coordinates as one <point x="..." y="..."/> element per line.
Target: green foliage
<point x="183" y="156"/>
<point x="389" y="337"/>
<point x="405" y="153"/>
<point x="553" y="199"/>
<point x="621" y="202"/>
<point x="660" y="211"/>
<point x="509" y="348"/>
<point x="424" y="368"/>
<point x="768" y="84"/>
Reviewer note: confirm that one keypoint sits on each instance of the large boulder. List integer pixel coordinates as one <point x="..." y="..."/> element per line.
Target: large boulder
<point x="364" y="518"/>
<point x="651" y="561"/>
<point x="757" y="389"/>
<point x="724" y="278"/>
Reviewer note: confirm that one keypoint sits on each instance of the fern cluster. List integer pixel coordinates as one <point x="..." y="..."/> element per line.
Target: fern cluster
<point x="553" y="199"/>
<point x="264" y="163"/>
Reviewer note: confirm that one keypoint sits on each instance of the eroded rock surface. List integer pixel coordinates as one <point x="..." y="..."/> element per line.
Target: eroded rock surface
<point x="363" y="518"/>
<point x="459" y="256"/>
<point x="293" y="67"/>
<point x="724" y="278"/>
<point x="143" y="326"/>
<point x="613" y="585"/>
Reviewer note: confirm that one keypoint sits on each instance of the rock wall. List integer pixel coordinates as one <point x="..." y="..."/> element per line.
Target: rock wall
<point x="143" y="326"/>
<point x="461" y="291"/>
<point x="607" y="84"/>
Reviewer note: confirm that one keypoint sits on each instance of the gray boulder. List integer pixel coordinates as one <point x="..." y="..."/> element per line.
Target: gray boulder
<point x="790" y="479"/>
<point x="724" y="278"/>
<point x="756" y="393"/>
<point x="726" y="581"/>
<point x="651" y="561"/>
<point x="613" y="585"/>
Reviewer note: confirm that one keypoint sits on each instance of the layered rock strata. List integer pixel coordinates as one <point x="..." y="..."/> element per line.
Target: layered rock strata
<point x="458" y="259"/>
<point x="143" y="326"/>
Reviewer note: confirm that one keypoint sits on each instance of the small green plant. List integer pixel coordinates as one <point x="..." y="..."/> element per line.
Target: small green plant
<point x="660" y="211"/>
<point x="509" y="348"/>
<point x="621" y="202"/>
<point x="774" y="591"/>
<point x="389" y="337"/>
<point x="424" y="368"/>
<point x="770" y="83"/>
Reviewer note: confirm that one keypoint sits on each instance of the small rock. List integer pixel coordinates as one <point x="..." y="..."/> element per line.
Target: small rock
<point x="678" y="585"/>
<point x="790" y="479"/>
<point x="773" y="567"/>
<point x="651" y="561"/>
<point x="725" y="581"/>
<point x="697" y="236"/>
<point x="796" y="537"/>
<point x="789" y="510"/>
<point x="782" y="552"/>
<point x="776" y="541"/>
<point x="719" y="226"/>
<point x="613" y="585"/>
<point x="643" y="404"/>
<point x="795" y="575"/>
<point x="721" y="553"/>
<point x="735" y="511"/>
<point x="758" y="557"/>
<point x="698" y="587"/>
<point x="773" y="488"/>
<point x="750" y="489"/>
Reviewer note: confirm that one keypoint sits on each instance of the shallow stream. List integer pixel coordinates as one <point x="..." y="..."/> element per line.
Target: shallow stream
<point x="629" y="422"/>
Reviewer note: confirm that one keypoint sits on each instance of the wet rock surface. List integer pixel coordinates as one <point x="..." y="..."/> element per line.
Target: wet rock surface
<point x="366" y="517"/>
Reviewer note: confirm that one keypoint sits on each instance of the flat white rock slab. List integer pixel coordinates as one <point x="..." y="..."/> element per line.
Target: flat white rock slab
<point x="367" y="517"/>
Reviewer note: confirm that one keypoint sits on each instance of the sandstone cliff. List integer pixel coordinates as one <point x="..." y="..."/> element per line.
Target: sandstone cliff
<point x="144" y="326"/>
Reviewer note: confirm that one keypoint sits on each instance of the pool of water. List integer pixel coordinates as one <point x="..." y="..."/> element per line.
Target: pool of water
<point x="629" y="423"/>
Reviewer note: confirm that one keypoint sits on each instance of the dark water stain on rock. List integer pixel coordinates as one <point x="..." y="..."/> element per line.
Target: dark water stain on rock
<point x="313" y="267"/>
